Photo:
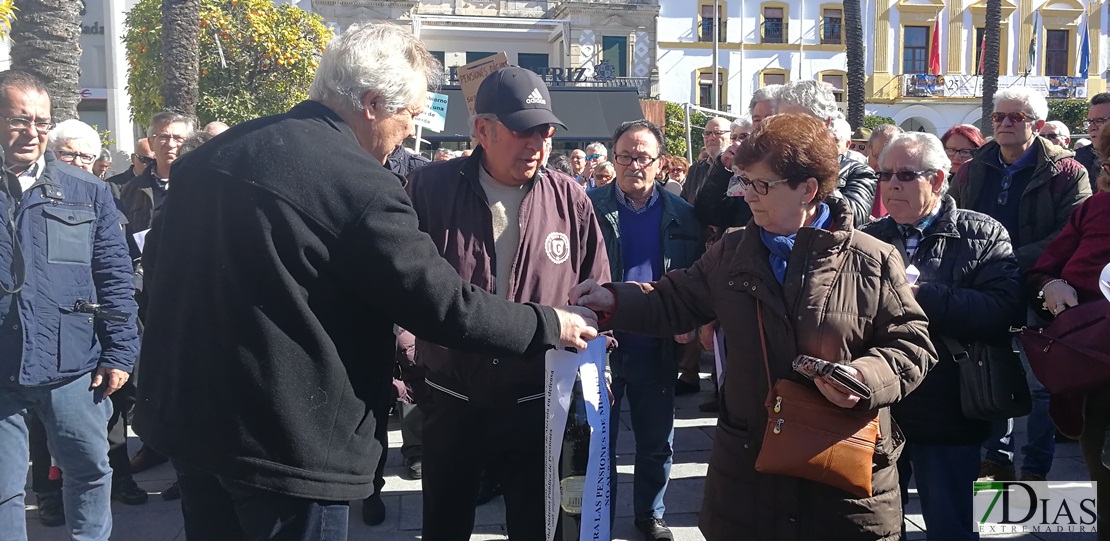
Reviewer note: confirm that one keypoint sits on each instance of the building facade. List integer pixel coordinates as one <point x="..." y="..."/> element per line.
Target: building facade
<point x="771" y="42"/>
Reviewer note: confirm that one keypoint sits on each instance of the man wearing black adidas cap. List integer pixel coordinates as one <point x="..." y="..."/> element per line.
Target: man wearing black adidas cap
<point x="524" y="233"/>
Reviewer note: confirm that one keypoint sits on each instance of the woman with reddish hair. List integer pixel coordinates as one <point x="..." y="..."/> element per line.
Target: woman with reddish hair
<point x="960" y="143"/>
<point x="799" y="279"/>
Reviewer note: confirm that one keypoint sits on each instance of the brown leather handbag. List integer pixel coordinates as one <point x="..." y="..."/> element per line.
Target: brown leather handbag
<point x="809" y="437"/>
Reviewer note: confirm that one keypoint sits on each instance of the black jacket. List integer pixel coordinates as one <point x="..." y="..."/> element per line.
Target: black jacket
<point x="857" y="186"/>
<point x="971" y="290"/>
<point x="276" y="276"/>
<point x="696" y="178"/>
<point x="712" y="207"/>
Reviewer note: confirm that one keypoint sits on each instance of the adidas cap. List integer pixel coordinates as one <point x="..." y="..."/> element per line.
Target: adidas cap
<point x="518" y="97"/>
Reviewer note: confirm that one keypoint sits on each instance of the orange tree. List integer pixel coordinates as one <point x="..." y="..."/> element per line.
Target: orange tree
<point x="255" y="58"/>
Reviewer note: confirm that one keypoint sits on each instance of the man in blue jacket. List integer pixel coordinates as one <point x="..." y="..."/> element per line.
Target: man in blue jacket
<point x="648" y="231"/>
<point x="67" y="315"/>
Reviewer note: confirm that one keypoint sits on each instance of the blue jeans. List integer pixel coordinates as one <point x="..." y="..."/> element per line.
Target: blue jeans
<point x="945" y="474"/>
<point x="76" y="422"/>
<point x="1040" y="445"/>
<point x="649" y="387"/>
<point x="220" y="509"/>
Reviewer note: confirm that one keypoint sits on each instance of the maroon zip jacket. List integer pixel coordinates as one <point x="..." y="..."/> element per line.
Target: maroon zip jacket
<point x="560" y="245"/>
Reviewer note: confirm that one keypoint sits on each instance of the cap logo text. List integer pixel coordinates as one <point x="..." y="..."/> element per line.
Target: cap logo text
<point x="535" y="97"/>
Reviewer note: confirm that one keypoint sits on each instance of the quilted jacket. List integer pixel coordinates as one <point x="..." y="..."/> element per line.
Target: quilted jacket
<point x="68" y="229"/>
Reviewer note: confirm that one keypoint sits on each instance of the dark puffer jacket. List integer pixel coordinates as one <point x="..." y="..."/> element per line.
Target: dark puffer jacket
<point x="1057" y="186"/>
<point x="971" y="290"/>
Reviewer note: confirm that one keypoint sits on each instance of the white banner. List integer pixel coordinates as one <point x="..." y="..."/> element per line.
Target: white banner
<point x="561" y="367"/>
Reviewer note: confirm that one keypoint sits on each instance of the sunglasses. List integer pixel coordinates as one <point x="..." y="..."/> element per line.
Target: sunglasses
<point x="860" y="147"/>
<point x="593" y="157"/>
<point x="677" y="170"/>
<point x="146" y="160"/>
<point x="544" y="130"/>
<point x="903" y="176"/>
<point x="1015" y="118"/>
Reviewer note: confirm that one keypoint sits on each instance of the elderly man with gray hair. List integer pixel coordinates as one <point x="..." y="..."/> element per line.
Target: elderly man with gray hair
<point x="142" y="196"/>
<point x="75" y="143"/>
<point x="1057" y="132"/>
<point x="276" y="277"/>
<point x="969" y="286"/>
<point x="1031" y="187"/>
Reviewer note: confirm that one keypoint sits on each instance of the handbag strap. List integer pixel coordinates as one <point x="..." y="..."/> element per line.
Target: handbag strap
<point x="763" y="341"/>
<point x="958" y="350"/>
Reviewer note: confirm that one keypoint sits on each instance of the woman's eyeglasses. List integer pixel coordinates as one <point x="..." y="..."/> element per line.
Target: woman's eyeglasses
<point x="760" y="187"/>
<point x="964" y="153"/>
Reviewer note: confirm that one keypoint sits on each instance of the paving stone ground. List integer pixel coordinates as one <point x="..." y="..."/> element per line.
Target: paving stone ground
<point x="161" y="521"/>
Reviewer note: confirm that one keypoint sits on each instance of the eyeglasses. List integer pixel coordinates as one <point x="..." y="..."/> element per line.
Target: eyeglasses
<point x="164" y="138"/>
<point x="760" y="187"/>
<point x="605" y="178"/>
<point x="740" y="136"/>
<point x="859" y="147"/>
<point x="23" y="123"/>
<point x="961" y="152"/>
<point x="1015" y="118"/>
<point x="593" y="157"/>
<point x="146" y="160"/>
<point x="642" y="161"/>
<point x="544" y="130"/>
<point x="73" y="157"/>
<point x="903" y="176"/>
<point x="716" y="133"/>
<point x="677" y="170"/>
<point x="1094" y="122"/>
<point x="1004" y="193"/>
<point x="1053" y="136"/>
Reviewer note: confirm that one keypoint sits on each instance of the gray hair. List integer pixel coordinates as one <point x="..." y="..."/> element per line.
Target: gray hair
<point x="928" y="150"/>
<point x="480" y="116"/>
<point x="1033" y="101"/>
<point x="767" y="93"/>
<point x="598" y="148"/>
<point x="1061" y="128"/>
<point x="443" y="151"/>
<point x="743" y="121"/>
<point x="377" y="57"/>
<point x="815" y="97"/>
<point x="884" y="132"/>
<point x="81" y="135"/>
<point x="841" y="131"/>
<point x="162" y="119"/>
<point x="605" y="166"/>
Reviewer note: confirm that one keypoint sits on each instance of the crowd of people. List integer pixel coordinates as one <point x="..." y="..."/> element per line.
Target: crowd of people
<point x="287" y="303"/>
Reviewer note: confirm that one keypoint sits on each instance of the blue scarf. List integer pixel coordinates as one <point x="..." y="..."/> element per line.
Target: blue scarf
<point x="781" y="245"/>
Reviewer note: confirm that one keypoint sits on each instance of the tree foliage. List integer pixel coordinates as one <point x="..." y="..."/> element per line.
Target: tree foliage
<point x="873" y="121"/>
<point x="7" y="13"/>
<point x="255" y="58"/>
<point x="675" y="129"/>
<point x="1071" y="112"/>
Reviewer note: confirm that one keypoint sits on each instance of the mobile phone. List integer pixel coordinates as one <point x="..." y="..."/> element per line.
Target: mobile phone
<point x="812" y="367"/>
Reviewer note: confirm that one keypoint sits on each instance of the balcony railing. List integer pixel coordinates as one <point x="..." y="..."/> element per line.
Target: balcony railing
<point x="773" y="31"/>
<point x="971" y="86"/>
<point x="831" y="34"/>
<point x="706" y="30"/>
